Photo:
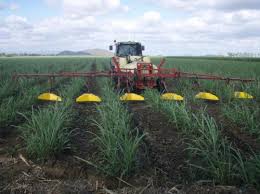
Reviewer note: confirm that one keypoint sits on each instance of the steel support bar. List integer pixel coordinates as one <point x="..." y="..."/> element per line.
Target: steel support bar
<point x="211" y="77"/>
<point x="129" y="73"/>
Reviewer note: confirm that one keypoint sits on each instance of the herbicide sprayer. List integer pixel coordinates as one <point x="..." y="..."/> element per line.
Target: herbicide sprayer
<point x="132" y="73"/>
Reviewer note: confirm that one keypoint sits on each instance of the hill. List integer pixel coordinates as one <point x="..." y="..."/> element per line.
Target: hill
<point x="99" y="52"/>
<point x="72" y="53"/>
<point x="90" y="52"/>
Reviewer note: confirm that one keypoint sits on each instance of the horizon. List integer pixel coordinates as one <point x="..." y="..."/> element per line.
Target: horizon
<point x="164" y="27"/>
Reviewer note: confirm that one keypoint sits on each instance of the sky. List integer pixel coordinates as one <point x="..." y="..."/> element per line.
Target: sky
<point x="165" y="27"/>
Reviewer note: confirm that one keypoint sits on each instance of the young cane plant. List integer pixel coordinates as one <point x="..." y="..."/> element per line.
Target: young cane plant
<point x="214" y="154"/>
<point x="118" y="142"/>
<point x="46" y="131"/>
<point x="244" y="116"/>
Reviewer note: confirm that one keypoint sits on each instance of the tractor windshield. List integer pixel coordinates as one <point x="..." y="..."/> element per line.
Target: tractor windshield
<point x="124" y="50"/>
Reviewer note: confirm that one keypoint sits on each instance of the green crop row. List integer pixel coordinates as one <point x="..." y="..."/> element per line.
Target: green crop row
<point x="244" y="115"/>
<point x="9" y="107"/>
<point x="224" y="91"/>
<point x="212" y="156"/>
<point x="226" y="68"/>
<point x="46" y="131"/>
<point x="22" y="102"/>
<point x="117" y="140"/>
<point x="25" y="94"/>
<point x="12" y="87"/>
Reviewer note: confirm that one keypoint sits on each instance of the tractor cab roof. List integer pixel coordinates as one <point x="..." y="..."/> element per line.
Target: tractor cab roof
<point x="128" y="42"/>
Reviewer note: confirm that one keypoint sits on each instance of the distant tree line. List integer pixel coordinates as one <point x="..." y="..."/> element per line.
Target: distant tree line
<point x="23" y="54"/>
<point x="245" y="54"/>
<point x="230" y="54"/>
<point x="6" y="55"/>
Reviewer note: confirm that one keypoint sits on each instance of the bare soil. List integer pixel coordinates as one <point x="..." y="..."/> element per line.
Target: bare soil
<point x="241" y="139"/>
<point x="165" y="147"/>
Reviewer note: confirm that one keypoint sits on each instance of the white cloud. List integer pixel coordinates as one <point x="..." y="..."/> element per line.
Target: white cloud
<point x="86" y="24"/>
<point x="210" y="4"/>
<point x="125" y="8"/>
<point x="65" y="26"/>
<point x="79" y="8"/>
<point x="15" y="19"/>
<point x="89" y="7"/>
<point x="152" y="17"/>
<point x="15" y="22"/>
<point x="217" y="31"/>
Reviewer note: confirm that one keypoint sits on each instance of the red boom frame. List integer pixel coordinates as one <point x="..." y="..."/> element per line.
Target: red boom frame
<point x="144" y="76"/>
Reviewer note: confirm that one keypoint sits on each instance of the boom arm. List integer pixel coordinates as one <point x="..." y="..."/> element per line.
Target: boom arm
<point x="157" y="73"/>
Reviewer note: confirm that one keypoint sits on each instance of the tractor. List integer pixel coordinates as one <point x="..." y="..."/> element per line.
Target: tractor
<point x="128" y="58"/>
<point x="132" y="73"/>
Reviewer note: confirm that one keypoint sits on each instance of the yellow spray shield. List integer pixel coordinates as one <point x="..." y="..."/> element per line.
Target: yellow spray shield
<point x="49" y="97"/>
<point x="131" y="97"/>
<point x="88" y="97"/>
<point x="171" y="96"/>
<point x="242" y="95"/>
<point x="206" y="96"/>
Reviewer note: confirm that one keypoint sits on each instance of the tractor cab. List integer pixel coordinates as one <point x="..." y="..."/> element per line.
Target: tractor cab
<point x="129" y="58"/>
<point x="128" y="54"/>
<point x="125" y="49"/>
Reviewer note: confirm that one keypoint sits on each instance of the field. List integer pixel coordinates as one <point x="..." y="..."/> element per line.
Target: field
<point x="111" y="147"/>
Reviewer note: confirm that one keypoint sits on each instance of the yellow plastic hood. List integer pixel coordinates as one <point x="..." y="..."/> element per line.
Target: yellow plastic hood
<point x="131" y="97"/>
<point x="207" y="96"/>
<point x="49" y="97"/>
<point x="171" y="96"/>
<point x="88" y="97"/>
<point x="242" y="95"/>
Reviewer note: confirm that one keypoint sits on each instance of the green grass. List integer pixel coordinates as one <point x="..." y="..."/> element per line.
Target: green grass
<point x="178" y="113"/>
<point x="223" y="67"/>
<point x="244" y="115"/>
<point x="46" y="131"/>
<point x="20" y="95"/>
<point x="22" y="102"/>
<point x="211" y="155"/>
<point x="118" y="141"/>
<point x="252" y="170"/>
<point x="214" y="157"/>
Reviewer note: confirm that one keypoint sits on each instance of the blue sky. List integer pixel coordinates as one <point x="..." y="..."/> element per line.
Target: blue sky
<point x="35" y="10"/>
<point x="167" y="27"/>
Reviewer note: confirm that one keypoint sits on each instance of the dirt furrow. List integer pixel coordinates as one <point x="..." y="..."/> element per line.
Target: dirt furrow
<point x="241" y="139"/>
<point x="166" y="148"/>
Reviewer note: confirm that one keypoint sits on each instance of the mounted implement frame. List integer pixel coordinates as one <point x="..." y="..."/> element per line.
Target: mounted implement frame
<point x="138" y="79"/>
<point x="131" y="73"/>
